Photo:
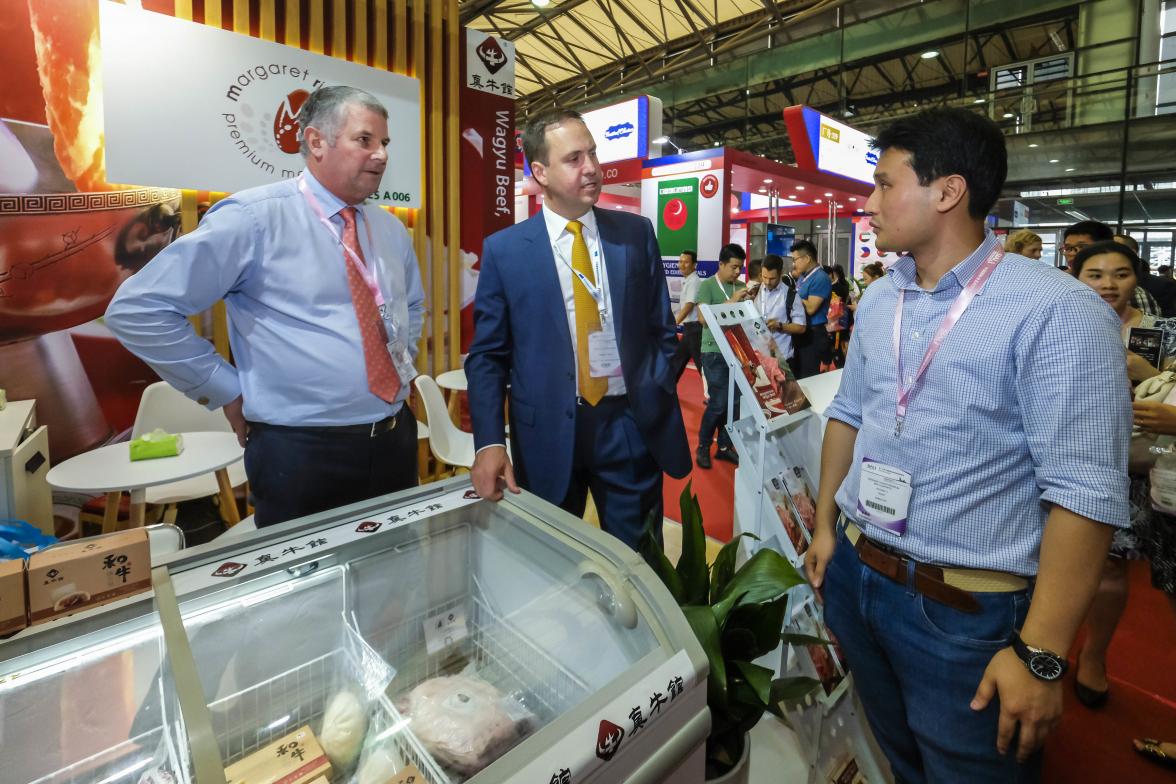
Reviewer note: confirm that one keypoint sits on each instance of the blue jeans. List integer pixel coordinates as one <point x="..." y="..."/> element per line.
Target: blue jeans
<point x="916" y="665"/>
<point x="714" y="367"/>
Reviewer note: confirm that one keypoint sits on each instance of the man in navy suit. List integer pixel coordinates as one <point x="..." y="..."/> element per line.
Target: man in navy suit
<point x="573" y="316"/>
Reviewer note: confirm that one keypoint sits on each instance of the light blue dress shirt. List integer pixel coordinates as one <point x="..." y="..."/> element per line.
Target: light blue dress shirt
<point x="1026" y="405"/>
<point x="292" y="325"/>
<point x="773" y="305"/>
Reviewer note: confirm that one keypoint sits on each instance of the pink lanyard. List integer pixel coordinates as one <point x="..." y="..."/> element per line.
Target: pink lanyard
<point x="961" y="303"/>
<point x="367" y="273"/>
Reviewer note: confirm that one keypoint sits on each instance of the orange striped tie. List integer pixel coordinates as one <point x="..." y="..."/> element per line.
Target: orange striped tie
<point x="383" y="380"/>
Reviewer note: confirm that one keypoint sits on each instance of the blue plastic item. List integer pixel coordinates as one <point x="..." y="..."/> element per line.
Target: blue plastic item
<point x="18" y="536"/>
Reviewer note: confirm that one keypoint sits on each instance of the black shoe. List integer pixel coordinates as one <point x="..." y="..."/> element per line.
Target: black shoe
<point x="1091" y="698"/>
<point x="702" y="457"/>
<point x="729" y="454"/>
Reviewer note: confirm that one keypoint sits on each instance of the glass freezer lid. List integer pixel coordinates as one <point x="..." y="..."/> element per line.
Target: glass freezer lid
<point x="492" y="623"/>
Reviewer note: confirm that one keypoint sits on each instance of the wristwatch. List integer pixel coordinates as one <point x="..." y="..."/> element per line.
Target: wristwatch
<point x="1044" y="665"/>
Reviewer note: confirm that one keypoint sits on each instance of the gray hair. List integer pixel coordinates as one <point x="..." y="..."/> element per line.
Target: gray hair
<point x="325" y="107"/>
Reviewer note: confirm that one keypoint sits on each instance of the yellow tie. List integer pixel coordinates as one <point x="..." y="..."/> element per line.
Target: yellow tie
<point x="587" y="316"/>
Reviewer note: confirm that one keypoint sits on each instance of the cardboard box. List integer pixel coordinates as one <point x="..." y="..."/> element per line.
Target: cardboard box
<point x="296" y="758"/>
<point x="12" y="596"/>
<point x="74" y="576"/>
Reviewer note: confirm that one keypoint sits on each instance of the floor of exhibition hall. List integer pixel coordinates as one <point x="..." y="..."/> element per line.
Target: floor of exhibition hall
<point x="1087" y="746"/>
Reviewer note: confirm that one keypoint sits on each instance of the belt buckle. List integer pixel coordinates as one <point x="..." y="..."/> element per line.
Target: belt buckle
<point x="379" y="428"/>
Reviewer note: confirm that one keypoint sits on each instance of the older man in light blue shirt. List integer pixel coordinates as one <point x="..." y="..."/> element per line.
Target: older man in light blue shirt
<point x="977" y="450"/>
<point x="318" y="436"/>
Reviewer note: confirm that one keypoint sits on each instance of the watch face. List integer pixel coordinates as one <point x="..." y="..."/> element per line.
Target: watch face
<point x="1045" y="667"/>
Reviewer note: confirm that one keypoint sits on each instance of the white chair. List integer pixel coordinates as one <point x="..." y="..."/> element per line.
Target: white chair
<point x="449" y="444"/>
<point x="162" y="406"/>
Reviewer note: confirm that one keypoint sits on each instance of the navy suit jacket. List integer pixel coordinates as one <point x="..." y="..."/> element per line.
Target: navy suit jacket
<point x="521" y="338"/>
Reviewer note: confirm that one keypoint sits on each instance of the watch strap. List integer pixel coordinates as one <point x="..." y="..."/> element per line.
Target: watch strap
<point x="1027" y="653"/>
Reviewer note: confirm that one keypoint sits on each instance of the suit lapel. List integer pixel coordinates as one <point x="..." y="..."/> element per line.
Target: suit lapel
<point x="539" y="265"/>
<point x="616" y="263"/>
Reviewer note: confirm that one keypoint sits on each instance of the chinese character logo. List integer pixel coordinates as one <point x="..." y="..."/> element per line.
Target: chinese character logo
<point x="491" y="55"/>
<point x="368" y="527"/>
<point x="608" y="740"/>
<point x="471" y="494"/>
<point x="286" y="125"/>
<point x="228" y="569"/>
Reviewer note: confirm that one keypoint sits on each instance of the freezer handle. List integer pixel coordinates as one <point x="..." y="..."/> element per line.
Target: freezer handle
<point x="614" y="597"/>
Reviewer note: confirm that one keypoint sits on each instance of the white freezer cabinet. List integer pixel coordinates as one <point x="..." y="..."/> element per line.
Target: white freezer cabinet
<point x="475" y="641"/>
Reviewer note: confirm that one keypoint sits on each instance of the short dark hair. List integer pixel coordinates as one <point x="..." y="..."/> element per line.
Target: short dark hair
<point x="535" y="132"/>
<point x="773" y="263"/>
<point x="1107" y="246"/>
<point x="693" y="254"/>
<point x="1127" y="240"/>
<point x="1096" y="230"/>
<point x="805" y="247"/>
<point x="732" y="251"/>
<point x="949" y="141"/>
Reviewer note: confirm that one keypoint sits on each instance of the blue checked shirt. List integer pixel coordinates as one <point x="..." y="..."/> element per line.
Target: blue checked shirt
<point x="1026" y="405"/>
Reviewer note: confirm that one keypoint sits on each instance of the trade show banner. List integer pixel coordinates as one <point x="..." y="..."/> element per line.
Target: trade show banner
<point x="864" y="250"/>
<point x="230" y="123"/>
<point x="488" y="156"/>
<point x="677" y="215"/>
<point x="682" y="196"/>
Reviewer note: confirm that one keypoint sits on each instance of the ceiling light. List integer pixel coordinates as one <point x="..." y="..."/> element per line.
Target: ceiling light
<point x="859" y="209"/>
<point x="1007" y="115"/>
<point x="929" y="54"/>
<point x="540" y="3"/>
<point x="827" y="195"/>
<point x="1032" y="144"/>
<point x="816" y="201"/>
<point x="853" y="198"/>
<point x="1070" y="169"/>
<point x="979" y="100"/>
<point x="1053" y="160"/>
<point x="800" y="187"/>
<point x="717" y="144"/>
<point x="733" y="210"/>
<point x="661" y="140"/>
<point x="767" y="179"/>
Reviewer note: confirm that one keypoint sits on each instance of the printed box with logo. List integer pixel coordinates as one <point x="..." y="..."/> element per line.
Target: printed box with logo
<point x="12" y="596"/>
<point x="66" y="578"/>
<point x="296" y="758"/>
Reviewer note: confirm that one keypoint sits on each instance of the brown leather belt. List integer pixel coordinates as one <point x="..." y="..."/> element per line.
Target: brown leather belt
<point x="949" y="586"/>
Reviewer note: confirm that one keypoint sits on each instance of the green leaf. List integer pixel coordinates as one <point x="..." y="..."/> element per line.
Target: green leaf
<point x="692" y="569"/>
<point x="764" y="578"/>
<point x="651" y="550"/>
<point x="759" y="678"/>
<point x="752" y="631"/>
<point x="795" y="638"/>
<point x="702" y="621"/>
<point x="790" y="693"/>
<point x="724" y="566"/>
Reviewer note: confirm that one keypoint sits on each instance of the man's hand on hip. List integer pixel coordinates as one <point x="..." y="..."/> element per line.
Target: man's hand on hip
<point x="492" y="472"/>
<point x="235" y="413"/>
<point x="1034" y="704"/>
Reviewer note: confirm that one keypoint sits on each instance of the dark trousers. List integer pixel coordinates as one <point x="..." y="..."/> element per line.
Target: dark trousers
<point x="916" y="664"/>
<point x="812" y="348"/>
<point x="610" y="459"/>
<point x="689" y="347"/>
<point x="714" y="417"/>
<point x="298" y="471"/>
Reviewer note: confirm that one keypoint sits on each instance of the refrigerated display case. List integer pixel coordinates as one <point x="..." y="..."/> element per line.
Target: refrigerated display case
<point x="476" y="641"/>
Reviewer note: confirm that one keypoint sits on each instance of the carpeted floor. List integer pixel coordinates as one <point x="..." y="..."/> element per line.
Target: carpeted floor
<point x="1088" y="746"/>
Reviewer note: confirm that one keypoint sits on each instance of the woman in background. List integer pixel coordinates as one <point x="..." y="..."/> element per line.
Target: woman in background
<point x="1025" y="243"/>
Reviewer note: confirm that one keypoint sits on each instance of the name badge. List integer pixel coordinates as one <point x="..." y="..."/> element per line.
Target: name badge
<point x="604" y="358"/>
<point x="884" y="496"/>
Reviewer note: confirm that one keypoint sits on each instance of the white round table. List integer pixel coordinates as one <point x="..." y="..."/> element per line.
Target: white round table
<point x="109" y="470"/>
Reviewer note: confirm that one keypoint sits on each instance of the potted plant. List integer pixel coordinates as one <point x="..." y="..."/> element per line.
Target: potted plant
<point x="737" y="615"/>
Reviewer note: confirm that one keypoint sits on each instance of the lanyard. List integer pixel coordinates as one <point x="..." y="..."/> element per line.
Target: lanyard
<point x="595" y="291"/>
<point x="368" y="273"/>
<point x="961" y="303"/>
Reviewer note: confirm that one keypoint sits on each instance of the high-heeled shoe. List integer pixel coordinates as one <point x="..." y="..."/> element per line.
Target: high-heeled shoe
<point x="1091" y="698"/>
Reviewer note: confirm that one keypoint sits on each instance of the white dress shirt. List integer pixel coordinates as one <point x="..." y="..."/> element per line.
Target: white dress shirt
<point x="561" y="248"/>
<point x="689" y="294"/>
<point x="771" y="305"/>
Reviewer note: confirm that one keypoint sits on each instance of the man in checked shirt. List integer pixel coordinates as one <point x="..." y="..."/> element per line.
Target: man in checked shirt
<point x="976" y="456"/>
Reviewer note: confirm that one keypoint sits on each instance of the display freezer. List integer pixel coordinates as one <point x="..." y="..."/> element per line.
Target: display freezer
<point x="474" y="641"/>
